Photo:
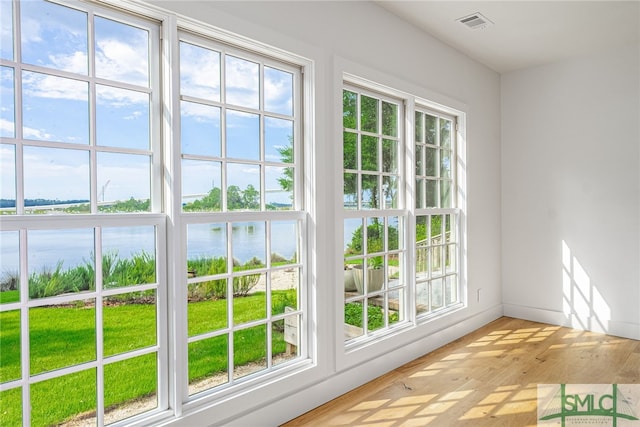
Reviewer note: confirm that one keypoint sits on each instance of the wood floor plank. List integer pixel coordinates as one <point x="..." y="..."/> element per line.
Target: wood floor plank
<point x="487" y="378"/>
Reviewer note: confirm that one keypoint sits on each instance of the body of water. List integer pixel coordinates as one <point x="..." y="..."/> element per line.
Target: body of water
<point x="73" y="247"/>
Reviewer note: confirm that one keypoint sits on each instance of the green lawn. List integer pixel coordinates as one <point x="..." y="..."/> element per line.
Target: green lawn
<point x="9" y="296"/>
<point x="64" y="336"/>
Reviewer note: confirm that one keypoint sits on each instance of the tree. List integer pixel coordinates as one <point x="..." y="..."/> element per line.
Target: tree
<point x="377" y="154"/>
<point x="251" y="198"/>
<point x="234" y="198"/>
<point x="286" y="156"/>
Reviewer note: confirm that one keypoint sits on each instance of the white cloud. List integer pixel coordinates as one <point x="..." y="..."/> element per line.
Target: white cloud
<point x="117" y="97"/>
<point x="7" y="127"/>
<point x="201" y="112"/>
<point x="75" y="62"/>
<point x="121" y="61"/>
<point x="31" y="133"/>
<point x="242" y="82"/>
<point x="46" y="86"/>
<point x="199" y="72"/>
<point x="125" y="181"/>
<point x="134" y="116"/>
<point x="56" y="174"/>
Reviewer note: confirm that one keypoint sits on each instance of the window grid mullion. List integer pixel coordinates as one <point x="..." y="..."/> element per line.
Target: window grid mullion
<point x="99" y="326"/>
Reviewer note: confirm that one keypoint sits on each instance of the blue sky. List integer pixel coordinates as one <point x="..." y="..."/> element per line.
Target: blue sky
<point x="56" y="108"/>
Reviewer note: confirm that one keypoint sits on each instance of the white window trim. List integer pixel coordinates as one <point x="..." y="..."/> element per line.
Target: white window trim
<point x="172" y="398"/>
<point x="348" y="72"/>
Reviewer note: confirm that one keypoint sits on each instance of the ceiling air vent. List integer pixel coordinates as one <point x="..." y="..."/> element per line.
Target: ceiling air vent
<point x="475" y="21"/>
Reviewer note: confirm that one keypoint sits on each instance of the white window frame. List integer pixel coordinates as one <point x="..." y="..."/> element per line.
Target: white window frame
<point x="196" y="32"/>
<point x="172" y="387"/>
<point x="23" y="222"/>
<point x="453" y="210"/>
<point x="383" y="94"/>
<point x="352" y="353"/>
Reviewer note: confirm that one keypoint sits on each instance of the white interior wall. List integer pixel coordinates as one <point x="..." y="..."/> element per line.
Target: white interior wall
<point x="571" y="192"/>
<point x="361" y="38"/>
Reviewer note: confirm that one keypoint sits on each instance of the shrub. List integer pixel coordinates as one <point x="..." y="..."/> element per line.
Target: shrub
<point x="353" y="316"/>
<point x="10" y="281"/>
<point x="49" y="282"/>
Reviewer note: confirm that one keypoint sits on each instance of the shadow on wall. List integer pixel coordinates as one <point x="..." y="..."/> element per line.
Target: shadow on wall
<point x="583" y="305"/>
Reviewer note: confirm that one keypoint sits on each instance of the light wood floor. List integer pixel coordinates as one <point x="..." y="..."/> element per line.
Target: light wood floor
<point x="487" y="378"/>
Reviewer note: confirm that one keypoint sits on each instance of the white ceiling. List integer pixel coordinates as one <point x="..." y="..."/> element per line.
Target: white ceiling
<point x="525" y="33"/>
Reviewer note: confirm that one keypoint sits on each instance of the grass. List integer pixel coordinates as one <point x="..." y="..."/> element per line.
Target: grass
<point x="64" y="336"/>
<point x="9" y="296"/>
<point x="353" y="316"/>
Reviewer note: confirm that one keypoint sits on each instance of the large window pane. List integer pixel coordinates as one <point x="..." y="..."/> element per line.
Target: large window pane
<point x="122" y="118"/>
<point x="370" y="194"/>
<point x="286" y="339"/>
<point x="242" y="82"/>
<point x="445" y="133"/>
<point x="122" y="52"/>
<point x="7" y="100"/>
<point x="349" y="109"/>
<point x="199" y="72"/>
<point x="389" y="119"/>
<point x="243" y="187"/>
<point x="60" y="262"/>
<point x="207" y="310"/>
<point x="243" y="135"/>
<point x="124" y="182"/>
<point x="6" y="30"/>
<point x="278" y="140"/>
<point x="200" y="129"/>
<point x="61" y="336"/>
<point x="207" y="256"/>
<point x="11" y="403"/>
<point x="249" y="351"/>
<point x="419" y="127"/>
<point x="56" y="179"/>
<point x="125" y="382"/>
<point x="9" y="267"/>
<point x="353" y="320"/>
<point x="369" y="150"/>
<point x="431" y="129"/>
<point x="206" y="249"/>
<point x="7" y="179"/>
<point x="369" y="114"/>
<point x="129" y="258"/>
<point x="279" y="188"/>
<point x="350" y="150"/>
<point x="285" y="285"/>
<point x="284" y="242"/>
<point x="201" y="182"/>
<point x="353" y="237"/>
<point x="420" y="161"/>
<point x="445" y="194"/>
<point x="55" y="108"/>
<point x="350" y="190"/>
<point x="64" y="397"/>
<point x="431" y="193"/>
<point x="431" y="161"/>
<point x="389" y="156"/>
<point x="248" y="242"/>
<point x="139" y="330"/>
<point x="10" y="344"/>
<point x="208" y="363"/>
<point x="390" y="191"/>
<point x="54" y="36"/>
<point x="278" y="91"/>
<point x="248" y="306"/>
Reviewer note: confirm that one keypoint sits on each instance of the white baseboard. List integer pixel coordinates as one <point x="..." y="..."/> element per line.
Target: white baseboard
<point x="592" y="323"/>
<point x="300" y="401"/>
